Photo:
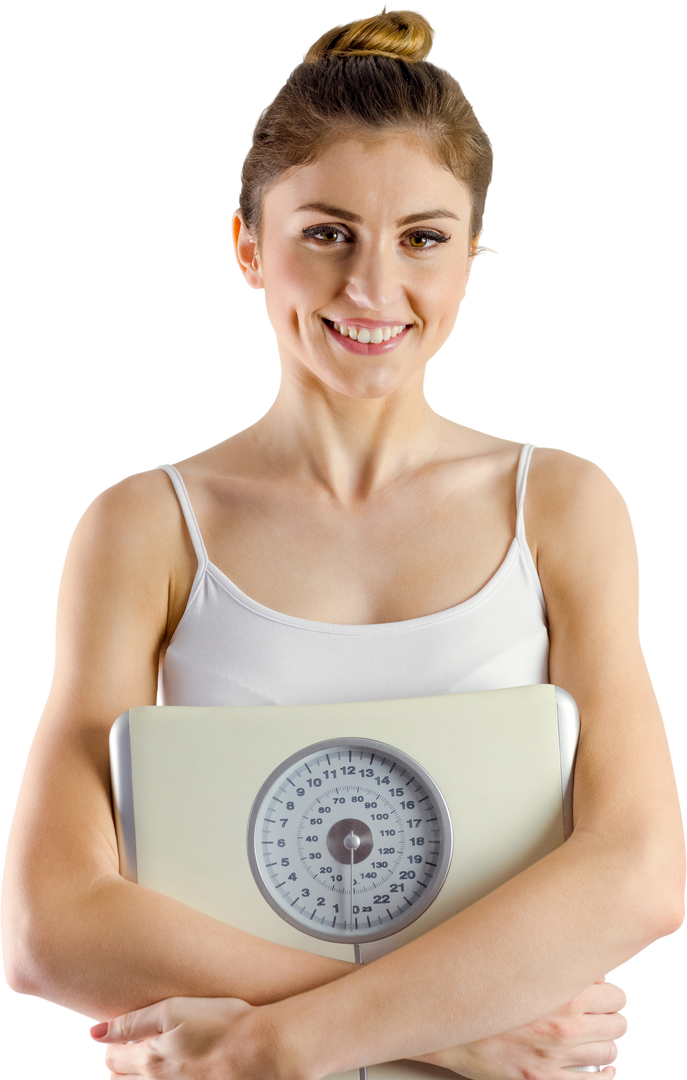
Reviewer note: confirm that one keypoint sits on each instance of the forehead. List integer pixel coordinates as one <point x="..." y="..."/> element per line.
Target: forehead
<point x="381" y="179"/>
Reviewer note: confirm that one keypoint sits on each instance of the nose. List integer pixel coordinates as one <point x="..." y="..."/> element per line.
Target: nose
<point x="374" y="278"/>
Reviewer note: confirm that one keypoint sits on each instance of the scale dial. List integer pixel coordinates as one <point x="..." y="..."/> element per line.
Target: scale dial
<point x="350" y="840"/>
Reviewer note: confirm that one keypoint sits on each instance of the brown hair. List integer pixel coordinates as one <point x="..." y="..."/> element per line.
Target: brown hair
<point x="368" y="76"/>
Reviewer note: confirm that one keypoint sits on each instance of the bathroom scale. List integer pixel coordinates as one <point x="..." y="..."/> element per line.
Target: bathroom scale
<point x="344" y="829"/>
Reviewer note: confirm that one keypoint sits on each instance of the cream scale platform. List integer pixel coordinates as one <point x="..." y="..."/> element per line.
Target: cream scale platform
<point x="345" y="829"/>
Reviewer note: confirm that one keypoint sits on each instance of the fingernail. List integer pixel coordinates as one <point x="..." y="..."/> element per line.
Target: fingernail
<point x="99" y="1031"/>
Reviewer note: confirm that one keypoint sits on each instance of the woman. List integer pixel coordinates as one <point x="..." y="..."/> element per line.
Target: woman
<point x="362" y="547"/>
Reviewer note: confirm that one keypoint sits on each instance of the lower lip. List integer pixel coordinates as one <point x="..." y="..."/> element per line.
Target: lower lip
<point x="351" y="345"/>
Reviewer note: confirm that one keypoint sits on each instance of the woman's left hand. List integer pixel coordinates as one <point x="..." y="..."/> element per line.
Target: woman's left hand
<point x="193" y="1038"/>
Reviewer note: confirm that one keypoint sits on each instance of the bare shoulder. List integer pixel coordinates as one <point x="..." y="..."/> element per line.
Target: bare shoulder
<point x="556" y="461"/>
<point x="569" y="499"/>
<point x="580" y="534"/>
<point x="135" y="509"/>
<point x="132" y="540"/>
<point x="139" y="517"/>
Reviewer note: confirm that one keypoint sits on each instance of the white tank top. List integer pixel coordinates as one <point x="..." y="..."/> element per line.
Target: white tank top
<point x="230" y="650"/>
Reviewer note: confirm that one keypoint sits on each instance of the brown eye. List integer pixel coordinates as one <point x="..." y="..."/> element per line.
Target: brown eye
<point x="327" y="234"/>
<point x="424" y="240"/>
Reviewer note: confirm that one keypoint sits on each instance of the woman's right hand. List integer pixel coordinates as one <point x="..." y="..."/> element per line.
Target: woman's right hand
<point x="583" y="1032"/>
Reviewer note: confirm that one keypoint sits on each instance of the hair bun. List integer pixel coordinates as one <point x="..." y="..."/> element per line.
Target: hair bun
<point x="399" y="35"/>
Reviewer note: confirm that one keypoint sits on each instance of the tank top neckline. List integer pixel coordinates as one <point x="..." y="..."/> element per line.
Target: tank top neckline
<point x="517" y="546"/>
<point x="364" y="628"/>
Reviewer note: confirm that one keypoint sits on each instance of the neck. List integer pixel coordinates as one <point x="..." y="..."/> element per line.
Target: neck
<point x="349" y="446"/>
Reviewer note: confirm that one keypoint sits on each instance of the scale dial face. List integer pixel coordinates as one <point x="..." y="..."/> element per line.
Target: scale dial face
<point x="350" y="840"/>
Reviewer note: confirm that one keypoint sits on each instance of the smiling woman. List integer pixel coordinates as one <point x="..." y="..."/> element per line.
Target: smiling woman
<point x="352" y="545"/>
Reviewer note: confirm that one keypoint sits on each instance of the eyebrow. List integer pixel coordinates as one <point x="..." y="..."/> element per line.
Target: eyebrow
<point x="346" y="215"/>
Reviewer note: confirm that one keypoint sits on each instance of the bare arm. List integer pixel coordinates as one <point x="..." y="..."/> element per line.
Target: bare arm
<point x="73" y="930"/>
<point x="614" y="887"/>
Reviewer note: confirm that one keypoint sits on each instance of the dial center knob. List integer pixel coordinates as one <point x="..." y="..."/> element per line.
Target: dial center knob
<point x="349" y="836"/>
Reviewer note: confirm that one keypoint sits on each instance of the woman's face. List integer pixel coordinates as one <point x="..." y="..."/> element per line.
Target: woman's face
<point x="372" y="239"/>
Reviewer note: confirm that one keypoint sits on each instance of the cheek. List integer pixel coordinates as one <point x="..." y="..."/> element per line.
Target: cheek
<point x="297" y="283"/>
<point x="443" y="295"/>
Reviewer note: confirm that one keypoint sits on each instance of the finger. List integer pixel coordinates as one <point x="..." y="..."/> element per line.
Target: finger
<point x="621" y="991"/>
<point x="599" y="1055"/>
<point x="602" y="998"/>
<point x="134" y="1059"/>
<point x="130" y="1027"/>
<point x="599" y="1027"/>
<point x="612" y="1026"/>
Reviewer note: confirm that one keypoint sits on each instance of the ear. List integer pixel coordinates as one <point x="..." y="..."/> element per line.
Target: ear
<point x="471" y="258"/>
<point x="246" y="249"/>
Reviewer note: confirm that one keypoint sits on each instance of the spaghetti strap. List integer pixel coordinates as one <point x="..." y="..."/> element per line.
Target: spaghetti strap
<point x="521" y="482"/>
<point x="520" y="489"/>
<point x="189" y="518"/>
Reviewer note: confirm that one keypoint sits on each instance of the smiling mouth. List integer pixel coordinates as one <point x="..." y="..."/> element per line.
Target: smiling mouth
<point x="366" y="335"/>
<point x="386" y="338"/>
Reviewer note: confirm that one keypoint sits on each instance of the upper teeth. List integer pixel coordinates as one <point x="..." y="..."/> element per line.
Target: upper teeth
<point x="363" y="335"/>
